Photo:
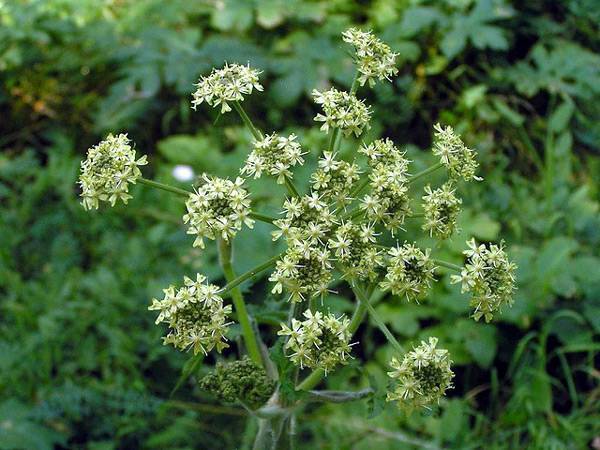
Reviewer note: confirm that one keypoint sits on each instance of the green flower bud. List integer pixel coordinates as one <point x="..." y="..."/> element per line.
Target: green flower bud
<point x="242" y="380"/>
<point x="107" y="171"/>
<point x="195" y="314"/>
<point x="422" y="377"/>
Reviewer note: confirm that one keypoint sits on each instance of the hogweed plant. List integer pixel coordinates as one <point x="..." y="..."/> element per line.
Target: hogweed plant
<point x="333" y="229"/>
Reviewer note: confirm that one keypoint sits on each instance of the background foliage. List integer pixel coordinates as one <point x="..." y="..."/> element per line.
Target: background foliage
<point x="81" y="365"/>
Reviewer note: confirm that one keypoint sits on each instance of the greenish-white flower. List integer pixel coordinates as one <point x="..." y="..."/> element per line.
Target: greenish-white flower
<point x="195" y="314"/>
<point x="489" y="276"/>
<point x="108" y="170"/>
<point x="218" y="208"/>
<point x="342" y="110"/>
<point x="409" y="272"/>
<point x="356" y="250"/>
<point x="460" y="160"/>
<point x="374" y="59"/>
<point x="274" y="155"/>
<point x="321" y="341"/>
<point x="422" y="377"/>
<point x="304" y="271"/>
<point x="226" y="85"/>
<point x="334" y="179"/>
<point x="389" y="202"/>
<point x="383" y="152"/>
<point x="441" y="208"/>
<point x="307" y="219"/>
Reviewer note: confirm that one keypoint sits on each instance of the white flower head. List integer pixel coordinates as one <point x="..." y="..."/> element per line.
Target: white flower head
<point x="342" y="110"/>
<point x="454" y="154"/>
<point x="107" y="171"/>
<point x="226" y="85"/>
<point x="274" y="155"/>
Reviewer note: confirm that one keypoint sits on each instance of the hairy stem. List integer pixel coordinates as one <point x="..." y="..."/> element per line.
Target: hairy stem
<point x="238" y="303"/>
<point x="339" y="396"/>
<point x="247" y="121"/>
<point x="291" y="188"/>
<point x="448" y="265"/>
<point x="262" y="217"/>
<point x="425" y="172"/>
<point x="164" y="187"/>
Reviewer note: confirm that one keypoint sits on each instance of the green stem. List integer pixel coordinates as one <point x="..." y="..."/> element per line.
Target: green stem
<point x="252" y="272"/>
<point x="333" y="139"/>
<point x="380" y="324"/>
<point x="291" y="188"/>
<point x="262" y="217"/>
<point x="247" y="121"/>
<point x="425" y="172"/>
<point x="238" y="303"/>
<point x="363" y="184"/>
<point x="415" y="216"/>
<point x="164" y="187"/>
<point x="448" y="265"/>
<point x="353" y="214"/>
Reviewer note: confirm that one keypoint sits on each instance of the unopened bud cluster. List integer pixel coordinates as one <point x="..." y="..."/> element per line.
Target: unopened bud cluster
<point x="107" y="171"/>
<point x="241" y="380"/>
<point x="217" y="209"/>
<point x="422" y="377"/>
<point x="489" y="276"/>
<point x="321" y="341"/>
<point x="226" y="85"/>
<point x="454" y="154"/>
<point x="195" y="314"/>
<point x="374" y="59"/>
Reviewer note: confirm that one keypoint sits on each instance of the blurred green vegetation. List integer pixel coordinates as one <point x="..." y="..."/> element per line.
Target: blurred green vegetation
<point x="81" y="364"/>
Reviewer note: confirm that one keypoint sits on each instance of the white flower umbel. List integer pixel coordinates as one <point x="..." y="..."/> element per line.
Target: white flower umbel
<point x="343" y="111"/>
<point x="334" y="179"/>
<point x="356" y="250"/>
<point x="441" y="208"/>
<point x="107" y="171"/>
<point x="321" y="341"/>
<point x="274" y="155"/>
<point x="422" y="377"/>
<point x="195" y="314"/>
<point x="218" y="208"/>
<point x="383" y="152"/>
<point x="454" y="154"/>
<point x="489" y="276"/>
<point x="409" y="272"/>
<point x="374" y="59"/>
<point x="226" y="85"/>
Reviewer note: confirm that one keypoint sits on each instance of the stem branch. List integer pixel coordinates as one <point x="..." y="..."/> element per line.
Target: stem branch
<point x="164" y="187"/>
<point x="247" y="121"/>
<point x="425" y="172"/>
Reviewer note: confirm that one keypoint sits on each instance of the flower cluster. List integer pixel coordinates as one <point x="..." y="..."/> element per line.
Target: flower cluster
<point x="441" y="208"/>
<point x="343" y="111"/>
<point x="356" y="250"/>
<point x="226" y="85"/>
<point x="409" y="272"/>
<point x="374" y="59"/>
<point x="383" y="152"/>
<point x="242" y="380"/>
<point x="304" y="271"/>
<point x="334" y="178"/>
<point x="217" y="208"/>
<point x="307" y="218"/>
<point x="195" y="314"/>
<point x="489" y="276"/>
<point x="454" y="154"/>
<point x="319" y="342"/>
<point x="422" y="377"/>
<point x="107" y="171"/>
<point x="389" y="202"/>
<point x="274" y="155"/>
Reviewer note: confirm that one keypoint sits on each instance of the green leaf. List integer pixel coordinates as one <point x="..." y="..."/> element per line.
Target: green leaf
<point x="561" y="116"/>
<point x="453" y="42"/>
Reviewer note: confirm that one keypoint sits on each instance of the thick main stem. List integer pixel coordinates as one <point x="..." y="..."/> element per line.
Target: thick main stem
<point x="238" y="302"/>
